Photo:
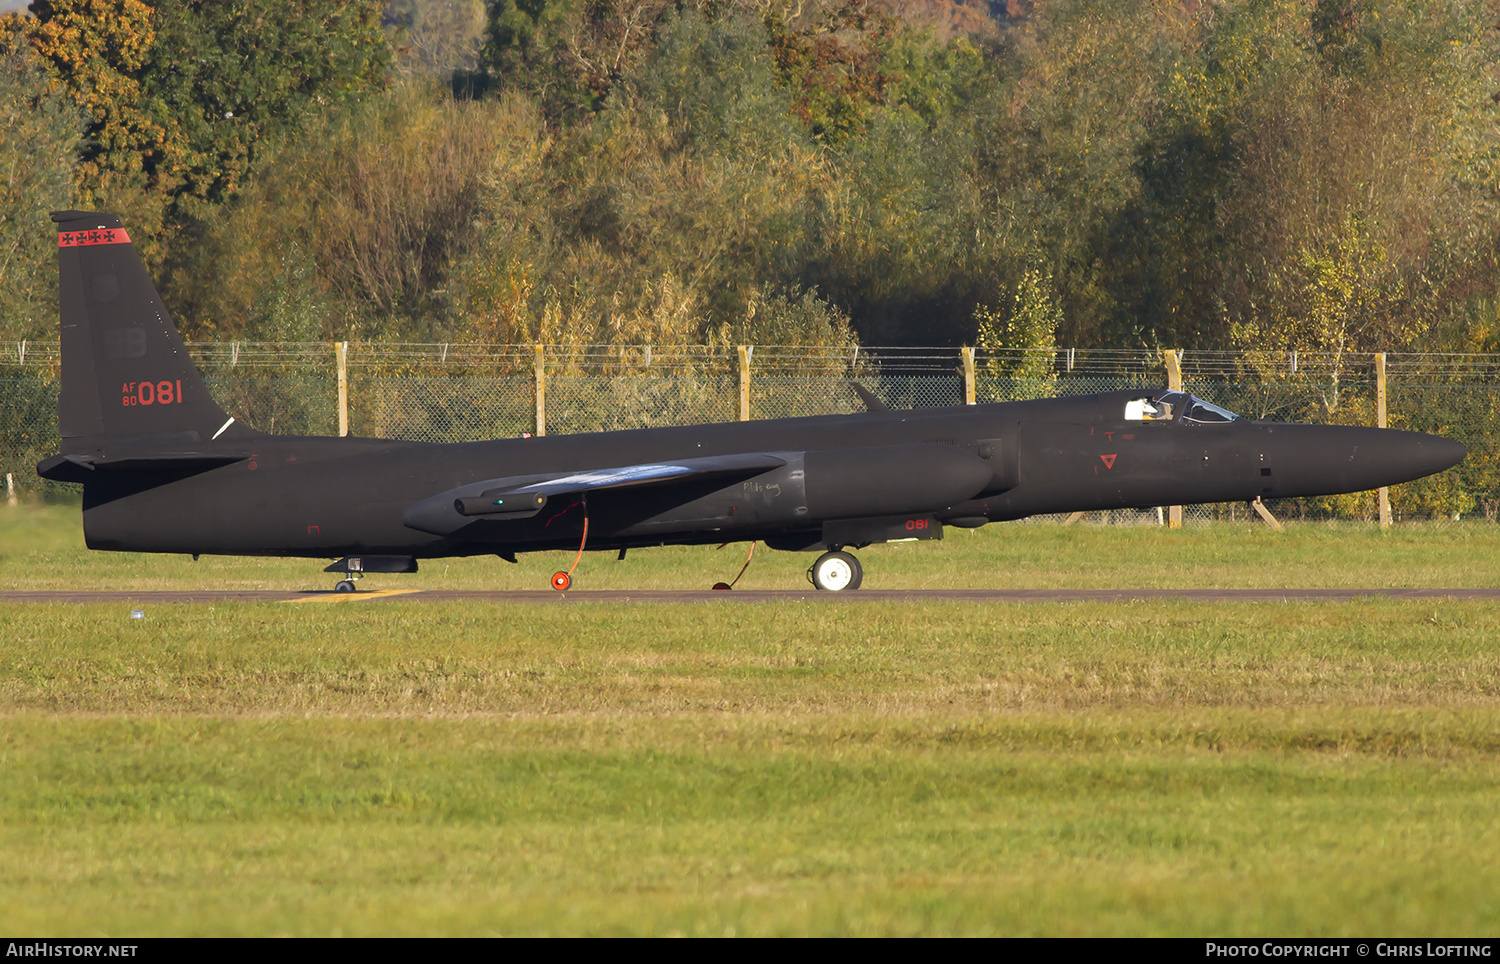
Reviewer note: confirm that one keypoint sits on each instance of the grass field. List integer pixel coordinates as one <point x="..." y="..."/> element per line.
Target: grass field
<point x="42" y="548"/>
<point x="1143" y="768"/>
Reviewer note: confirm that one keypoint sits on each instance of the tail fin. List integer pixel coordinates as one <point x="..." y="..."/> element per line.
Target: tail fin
<point x="126" y="374"/>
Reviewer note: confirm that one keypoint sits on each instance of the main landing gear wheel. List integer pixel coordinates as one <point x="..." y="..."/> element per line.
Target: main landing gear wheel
<point x="343" y="585"/>
<point x="561" y="581"/>
<point x="836" y="571"/>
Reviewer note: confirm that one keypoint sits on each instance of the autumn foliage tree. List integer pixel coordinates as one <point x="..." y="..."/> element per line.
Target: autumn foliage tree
<point x="39" y="134"/>
<point x="182" y="97"/>
<point x="1284" y="173"/>
<point x="831" y="61"/>
<point x="570" y="54"/>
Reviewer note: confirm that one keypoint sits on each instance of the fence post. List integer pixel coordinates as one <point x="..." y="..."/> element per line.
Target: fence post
<point x="541" y="390"/>
<point x="341" y="355"/>
<point x="745" y="352"/>
<point x="968" y="354"/>
<point x="1383" y="495"/>
<point x="10" y="488"/>
<point x="1172" y="357"/>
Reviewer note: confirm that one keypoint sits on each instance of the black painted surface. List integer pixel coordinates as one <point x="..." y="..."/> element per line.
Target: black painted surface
<point x="164" y="468"/>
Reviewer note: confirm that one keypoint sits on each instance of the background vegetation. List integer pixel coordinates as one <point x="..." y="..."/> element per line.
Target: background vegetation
<point x="1309" y="174"/>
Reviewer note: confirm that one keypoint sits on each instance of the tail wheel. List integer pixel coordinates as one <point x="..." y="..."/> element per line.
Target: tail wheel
<point x="836" y="571"/>
<point x="561" y="581"/>
<point x="343" y="585"/>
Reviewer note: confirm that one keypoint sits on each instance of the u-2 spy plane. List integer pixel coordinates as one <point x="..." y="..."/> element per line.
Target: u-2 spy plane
<point x="165" y="469"/>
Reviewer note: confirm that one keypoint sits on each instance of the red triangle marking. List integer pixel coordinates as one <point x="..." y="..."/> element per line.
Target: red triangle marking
<point x="1109" y="460"/>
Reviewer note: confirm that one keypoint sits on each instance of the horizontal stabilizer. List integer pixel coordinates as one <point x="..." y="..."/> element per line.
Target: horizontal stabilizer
<point x="79" y="468"/>
<point x="523" y="496"/>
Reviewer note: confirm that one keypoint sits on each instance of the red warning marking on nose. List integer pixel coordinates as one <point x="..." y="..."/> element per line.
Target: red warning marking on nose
<point x="1109" y="460"/>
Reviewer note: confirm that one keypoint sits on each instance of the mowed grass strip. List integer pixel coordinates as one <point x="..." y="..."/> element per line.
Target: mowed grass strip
<point x="869" y="658"/>
<point x="1143" y="768"/>
<point x="384" y="827"/>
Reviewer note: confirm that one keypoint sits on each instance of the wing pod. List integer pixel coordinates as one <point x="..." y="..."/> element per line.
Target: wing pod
<point x="498" y="504"/>
<point x="523" y="496"/>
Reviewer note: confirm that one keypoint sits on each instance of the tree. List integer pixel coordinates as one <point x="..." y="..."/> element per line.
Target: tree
<point x="570" y="53"/>
<point x="1022" y="346"/>
<point x="39" y="132"/>
<point x="353" y="229"/>
<point x="1344" y="297"/>
<point x="439" y="37"/>
<point x="831" y="61"/>
<point x="183" y="96"/>
<point x="680" y="208"/>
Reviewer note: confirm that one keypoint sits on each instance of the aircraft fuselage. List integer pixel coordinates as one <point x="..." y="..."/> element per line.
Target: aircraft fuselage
<point x="165" y="468"/>
<point x="321" y="497"/>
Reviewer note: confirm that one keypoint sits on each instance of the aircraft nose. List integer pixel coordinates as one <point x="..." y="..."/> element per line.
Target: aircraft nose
<point x="1403" y="456"/>
<point x="1326" y="459"/>
<point x="1394" y="456"/>
<point x="1438" y="453"/>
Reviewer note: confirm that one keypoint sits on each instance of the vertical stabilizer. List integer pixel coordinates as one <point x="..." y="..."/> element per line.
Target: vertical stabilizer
<point x="126" y="374"/>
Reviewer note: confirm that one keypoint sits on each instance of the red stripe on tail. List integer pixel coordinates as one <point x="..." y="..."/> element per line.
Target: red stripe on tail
<point x="79" y="239"/>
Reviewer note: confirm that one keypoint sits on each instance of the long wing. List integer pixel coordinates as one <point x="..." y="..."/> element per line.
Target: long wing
<point x="628" y="475"/>
<point x="523" y="496"/>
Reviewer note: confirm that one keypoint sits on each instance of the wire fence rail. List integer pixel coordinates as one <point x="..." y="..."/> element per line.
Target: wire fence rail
<point x="46" y="355"/>
<point x="462" y="392"/>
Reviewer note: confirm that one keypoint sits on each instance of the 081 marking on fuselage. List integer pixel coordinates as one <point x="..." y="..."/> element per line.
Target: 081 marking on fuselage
<point x="165" y="469"/>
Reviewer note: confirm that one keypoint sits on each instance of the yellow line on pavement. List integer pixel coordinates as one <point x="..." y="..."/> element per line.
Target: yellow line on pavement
<point x="337" y="597"/>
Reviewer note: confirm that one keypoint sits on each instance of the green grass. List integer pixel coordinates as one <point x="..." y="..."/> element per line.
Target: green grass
<point x="1141" y="768"/>
<point x="42" y="548"/>
<point x="883" y="658"/>
<point x="340" y="826"/>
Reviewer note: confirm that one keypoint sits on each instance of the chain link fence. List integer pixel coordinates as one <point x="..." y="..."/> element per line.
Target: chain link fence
<point x="451" y="393"/>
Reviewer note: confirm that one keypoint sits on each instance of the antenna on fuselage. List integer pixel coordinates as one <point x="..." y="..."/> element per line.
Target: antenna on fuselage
<point x="872" y="404"/>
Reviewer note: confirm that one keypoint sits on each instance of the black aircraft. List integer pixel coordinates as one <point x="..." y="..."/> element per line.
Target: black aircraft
<point x="165" y="469"/>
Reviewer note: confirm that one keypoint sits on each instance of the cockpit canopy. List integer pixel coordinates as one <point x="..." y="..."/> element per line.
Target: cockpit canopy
<point x="1167" y="405"/>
